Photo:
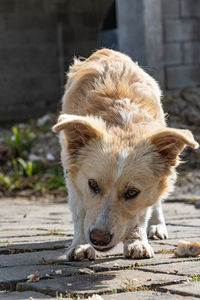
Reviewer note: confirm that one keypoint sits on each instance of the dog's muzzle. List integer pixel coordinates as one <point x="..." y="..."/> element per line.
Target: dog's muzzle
<point x="100" y="239"/>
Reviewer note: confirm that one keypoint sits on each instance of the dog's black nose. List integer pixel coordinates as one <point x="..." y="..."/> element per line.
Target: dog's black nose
<point x="100" y="238"/>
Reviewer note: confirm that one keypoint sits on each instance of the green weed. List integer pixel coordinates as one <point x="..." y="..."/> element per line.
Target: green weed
<point x="5" y="182"/>
<point x="20" y="141"/>
<point x="19" y="173"/>
<point x="4" y="242"/>
<point x="56" y="179"/>
<point x="195" y="277"/>
<point x="26" y="168"/>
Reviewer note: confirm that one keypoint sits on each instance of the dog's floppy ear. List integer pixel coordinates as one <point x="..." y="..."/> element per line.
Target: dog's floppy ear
<point x="78" y="130"/>
<point x="170" y="142"/>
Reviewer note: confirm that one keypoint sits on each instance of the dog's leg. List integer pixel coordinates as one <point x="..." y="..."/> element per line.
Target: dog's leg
<point x="79" y="248"/>
<point x="156" y="227"/>
<point x="136" y="243"/>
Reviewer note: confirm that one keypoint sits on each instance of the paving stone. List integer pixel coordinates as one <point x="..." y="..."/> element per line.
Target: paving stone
<point x="100" y="282"/>
<point x="32" y="258"/>
<point x="179" y="210"/>
<point x="147" y="295"/>
<point x="187" y="268"/>
<point x="22" y="233"/>
<point x="23" y="296"/>
<point x="16" y="210"/>
<point x="38" y="246"/>
<point x="187" y="289"/>
<point x="4" y="242"/>
<point x="10" y="276"/>
<point x="195" y="222"/>
<point x="116" y="263"/>
<point x="182" y="232"/>
<point x="35" y="224"/>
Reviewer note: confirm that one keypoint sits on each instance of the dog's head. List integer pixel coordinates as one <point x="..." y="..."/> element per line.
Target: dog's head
<point x="118" y="172"/>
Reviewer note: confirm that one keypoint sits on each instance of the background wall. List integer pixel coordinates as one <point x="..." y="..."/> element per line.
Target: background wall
<point x="164" y="36"/>
<point x="181" y="39"/>
<point x="38" y="39"/>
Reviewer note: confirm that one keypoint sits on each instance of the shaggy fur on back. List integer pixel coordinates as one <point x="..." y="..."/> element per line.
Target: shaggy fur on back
<point x="97" y="85"/>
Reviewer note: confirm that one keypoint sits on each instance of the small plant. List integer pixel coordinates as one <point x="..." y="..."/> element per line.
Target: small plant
<point x="26" y="168"/>
<point x="56" y="179"/>
<point x="18" y="172"/>
<point x="195" y="277"/>
<point x="21" y="140"/>
<point x="165" y="251"/>
<point x="39" y="186"/>
<point x="5" y="182"/>
<point x="130" y="285"/>
<point x="169" y="100"/>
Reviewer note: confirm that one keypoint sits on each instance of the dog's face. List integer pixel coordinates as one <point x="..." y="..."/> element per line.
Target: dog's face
<point x="118" y="172"/>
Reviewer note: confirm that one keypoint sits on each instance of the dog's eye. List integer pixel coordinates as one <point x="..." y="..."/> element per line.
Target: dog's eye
<point x="93" y="186"/>
<point x="131" y="193"/>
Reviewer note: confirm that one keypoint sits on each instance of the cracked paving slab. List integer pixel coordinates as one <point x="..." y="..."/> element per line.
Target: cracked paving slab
<point x="39" y="246"/>
<point x="32" y="258"/>
<point x="29" y="241"/>
<point x="9" y="277"/>
<point x="117" y="263"/>
<point x="101" y="282"/>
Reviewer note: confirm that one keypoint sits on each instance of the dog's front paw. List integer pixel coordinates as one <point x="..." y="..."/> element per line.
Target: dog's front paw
<point x="80" y="252"/>
<point x="138" y="249"/>
<point x="158" y="231"/>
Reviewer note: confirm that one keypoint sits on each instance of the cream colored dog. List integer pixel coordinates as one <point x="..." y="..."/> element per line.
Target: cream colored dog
<point x="118" y="155"/>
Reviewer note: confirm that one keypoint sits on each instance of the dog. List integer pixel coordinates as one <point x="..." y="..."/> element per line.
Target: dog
<point x="118" y="155"/>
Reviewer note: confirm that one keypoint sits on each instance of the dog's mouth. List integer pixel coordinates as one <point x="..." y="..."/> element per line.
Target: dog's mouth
<point x="102" y="249"/>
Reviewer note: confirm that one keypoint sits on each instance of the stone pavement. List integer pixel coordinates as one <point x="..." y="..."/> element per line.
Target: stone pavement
<point x="33" y="240"/>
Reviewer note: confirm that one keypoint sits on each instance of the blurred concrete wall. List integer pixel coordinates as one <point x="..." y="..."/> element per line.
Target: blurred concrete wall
<point x="181" y="41"/>
<point x="164" y="37"/>
<point x="38" y="39"/>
